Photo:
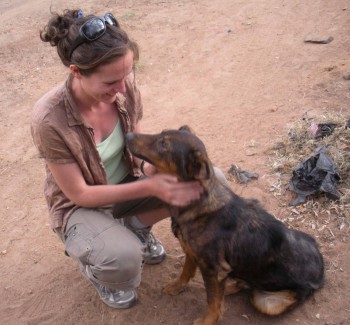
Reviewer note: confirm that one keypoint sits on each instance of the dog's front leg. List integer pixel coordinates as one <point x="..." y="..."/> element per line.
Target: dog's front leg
<point x="178" y="285"/>
<point x="215" y="296"/>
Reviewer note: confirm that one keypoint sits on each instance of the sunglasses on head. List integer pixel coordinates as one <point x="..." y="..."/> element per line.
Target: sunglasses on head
<point x="93" y="29"/>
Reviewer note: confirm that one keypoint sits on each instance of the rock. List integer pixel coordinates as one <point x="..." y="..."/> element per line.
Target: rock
<point x="346" y="75"/>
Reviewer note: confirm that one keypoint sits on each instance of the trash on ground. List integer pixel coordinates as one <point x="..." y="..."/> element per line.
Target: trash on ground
<point x="241" y="175"/>
<point x="316" y="174"/>
<point x="321" y="130"/>
<point x="318" y="39"/>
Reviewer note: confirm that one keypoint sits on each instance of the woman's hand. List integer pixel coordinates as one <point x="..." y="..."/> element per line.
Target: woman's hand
<point x="170" y="190"/>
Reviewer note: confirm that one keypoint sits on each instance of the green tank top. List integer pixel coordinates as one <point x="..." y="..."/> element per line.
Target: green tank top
<point x="111" y="153"/>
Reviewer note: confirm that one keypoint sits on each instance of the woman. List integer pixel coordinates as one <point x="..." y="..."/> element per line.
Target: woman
<point x="99" y="205"/>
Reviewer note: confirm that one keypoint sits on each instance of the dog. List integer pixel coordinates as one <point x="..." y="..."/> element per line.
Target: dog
<point x="233" y="241"/>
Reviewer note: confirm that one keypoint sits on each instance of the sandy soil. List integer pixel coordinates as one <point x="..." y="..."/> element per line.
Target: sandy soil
<point x="238" y="72"/>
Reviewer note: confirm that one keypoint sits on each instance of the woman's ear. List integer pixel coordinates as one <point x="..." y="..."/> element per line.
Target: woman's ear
<point x="75" y="71"/>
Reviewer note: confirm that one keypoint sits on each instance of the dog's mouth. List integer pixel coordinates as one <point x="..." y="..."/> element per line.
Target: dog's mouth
<point x="142" y="156"/>
<point x="135" y="147"/>
<point x="147" y="159"/>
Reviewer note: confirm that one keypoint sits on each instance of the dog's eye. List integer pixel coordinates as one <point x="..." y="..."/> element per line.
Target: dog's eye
<point x="162" y="144"/>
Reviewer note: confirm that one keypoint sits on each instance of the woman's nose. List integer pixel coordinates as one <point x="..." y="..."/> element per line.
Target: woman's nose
<point x="120" y="87"/>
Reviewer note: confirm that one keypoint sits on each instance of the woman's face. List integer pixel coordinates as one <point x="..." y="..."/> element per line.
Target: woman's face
<point x="108" y="80"/>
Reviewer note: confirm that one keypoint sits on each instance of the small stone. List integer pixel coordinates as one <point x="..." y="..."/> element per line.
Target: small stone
<point x="177" y="265"/>
<point x="4" y="252"/>
<point x="346" y="75"/>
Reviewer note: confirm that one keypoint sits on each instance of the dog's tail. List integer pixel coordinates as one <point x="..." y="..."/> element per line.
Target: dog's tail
<point x="273" y="303"/>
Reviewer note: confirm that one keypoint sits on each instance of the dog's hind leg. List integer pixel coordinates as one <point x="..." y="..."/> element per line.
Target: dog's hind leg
<point x="273" y="303"/>
<point x="174" y="287"/>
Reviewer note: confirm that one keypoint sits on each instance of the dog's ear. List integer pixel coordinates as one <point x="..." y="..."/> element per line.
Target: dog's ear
<point x="196" y="166"/>
<point x="185" y="128"/>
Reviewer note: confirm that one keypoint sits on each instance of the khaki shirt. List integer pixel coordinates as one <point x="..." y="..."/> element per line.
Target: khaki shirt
<point x="61" y="136"/>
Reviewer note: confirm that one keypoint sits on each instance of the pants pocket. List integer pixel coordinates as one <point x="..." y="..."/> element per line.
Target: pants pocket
<point x="78" y="243"/>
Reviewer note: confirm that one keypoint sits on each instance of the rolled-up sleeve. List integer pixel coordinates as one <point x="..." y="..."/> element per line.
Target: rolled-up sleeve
<point x="50" y="143"/>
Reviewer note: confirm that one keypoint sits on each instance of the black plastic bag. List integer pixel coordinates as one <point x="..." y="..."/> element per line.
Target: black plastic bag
<point x="316" y="174"/>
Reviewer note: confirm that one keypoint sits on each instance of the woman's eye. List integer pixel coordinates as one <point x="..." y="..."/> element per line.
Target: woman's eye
<point x="112" y="82"/>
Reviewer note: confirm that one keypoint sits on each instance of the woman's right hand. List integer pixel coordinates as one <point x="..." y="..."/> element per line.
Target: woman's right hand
<point x="170" y="190"/>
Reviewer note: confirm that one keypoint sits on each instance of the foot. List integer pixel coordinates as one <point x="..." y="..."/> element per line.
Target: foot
<point x="153" y="250"/>
<point x="114" y="298"/>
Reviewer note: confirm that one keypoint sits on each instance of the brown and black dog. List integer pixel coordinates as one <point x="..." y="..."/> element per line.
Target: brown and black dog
<point x="233" y="241"/>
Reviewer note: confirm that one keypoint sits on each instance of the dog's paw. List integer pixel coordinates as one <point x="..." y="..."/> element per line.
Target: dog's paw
<point x="174" y="287"/>
<point x="203" y="321"/>
<point x="198" y="321"/>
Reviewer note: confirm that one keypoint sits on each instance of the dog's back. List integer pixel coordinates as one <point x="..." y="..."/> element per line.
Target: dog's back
<point x="267" y="254"/>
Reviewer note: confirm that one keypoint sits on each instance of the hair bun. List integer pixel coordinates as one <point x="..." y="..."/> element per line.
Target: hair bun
<point x="58" y="26"/>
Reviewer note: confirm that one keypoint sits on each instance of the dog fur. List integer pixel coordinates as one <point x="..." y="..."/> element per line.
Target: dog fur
<point x="234" y="242"/>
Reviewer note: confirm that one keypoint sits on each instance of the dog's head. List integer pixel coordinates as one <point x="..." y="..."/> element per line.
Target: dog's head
<point x="175" y="152"/>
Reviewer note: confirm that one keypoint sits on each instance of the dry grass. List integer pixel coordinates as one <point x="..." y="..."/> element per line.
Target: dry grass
<point x="324" y="216"/>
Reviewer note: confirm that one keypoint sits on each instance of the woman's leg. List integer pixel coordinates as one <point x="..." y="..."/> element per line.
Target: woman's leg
<point x="109" y="254"/>
<point x="139" y="216"/>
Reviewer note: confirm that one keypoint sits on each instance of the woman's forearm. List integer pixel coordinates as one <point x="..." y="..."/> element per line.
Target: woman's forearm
<point x="101" y="195"/>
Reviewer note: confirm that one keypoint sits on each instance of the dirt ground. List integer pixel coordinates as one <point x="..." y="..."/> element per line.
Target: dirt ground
<point x="238" y="72"/>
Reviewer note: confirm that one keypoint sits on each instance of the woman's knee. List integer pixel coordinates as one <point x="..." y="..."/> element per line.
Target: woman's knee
<point x="120" y="269"/>
<point x="113" y="254"/>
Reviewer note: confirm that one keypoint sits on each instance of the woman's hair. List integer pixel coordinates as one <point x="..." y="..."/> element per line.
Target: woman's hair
<point x="62" y="30"/>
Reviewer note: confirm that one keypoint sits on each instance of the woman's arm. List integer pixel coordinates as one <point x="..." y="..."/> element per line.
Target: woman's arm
<point x="167" y="188"/>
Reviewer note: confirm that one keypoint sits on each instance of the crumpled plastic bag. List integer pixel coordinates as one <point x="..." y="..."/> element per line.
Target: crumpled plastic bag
<point x="316" y="174"/>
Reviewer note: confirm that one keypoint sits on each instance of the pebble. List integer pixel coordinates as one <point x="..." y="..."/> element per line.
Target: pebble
<point x="346" y="75"/>
<point x="177" y="265"/>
